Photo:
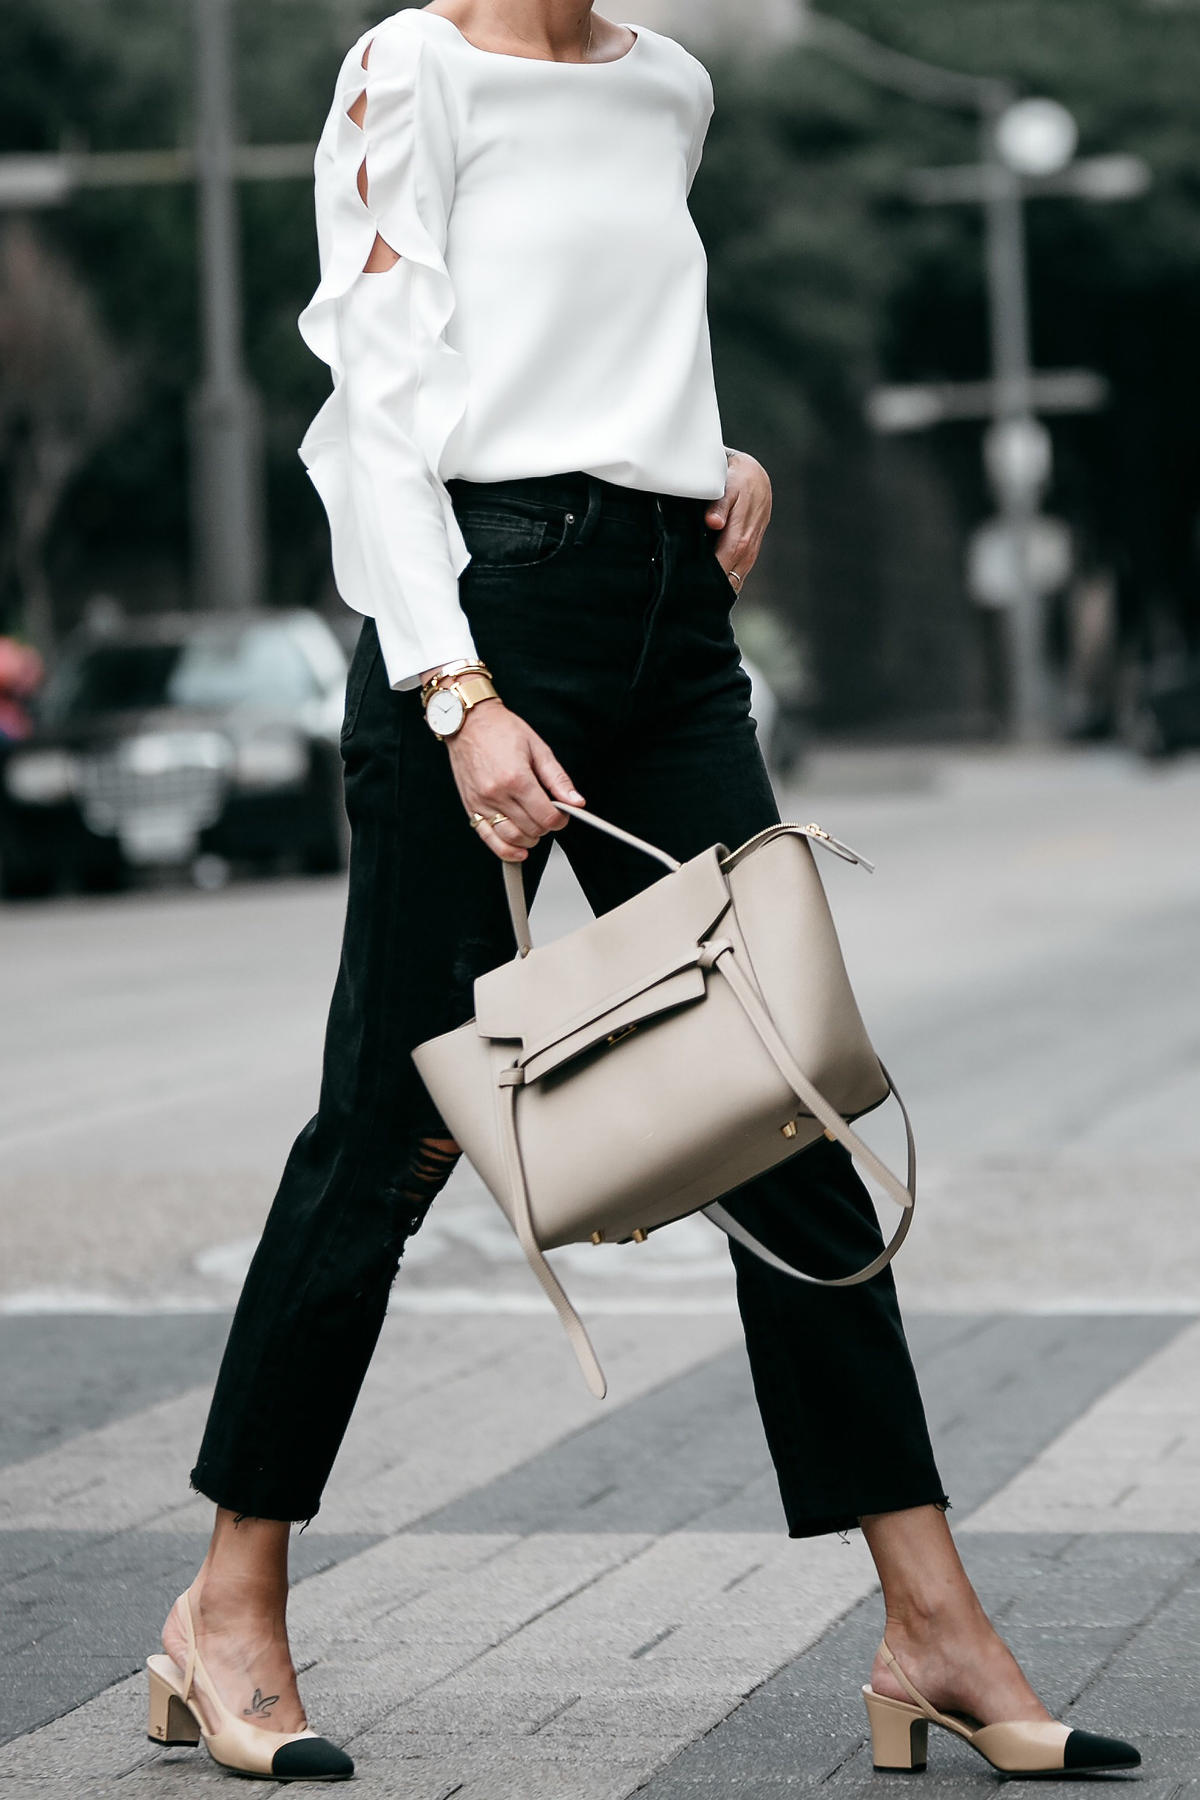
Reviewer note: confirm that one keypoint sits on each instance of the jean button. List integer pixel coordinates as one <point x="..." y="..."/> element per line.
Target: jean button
<point x="570" y="518"/>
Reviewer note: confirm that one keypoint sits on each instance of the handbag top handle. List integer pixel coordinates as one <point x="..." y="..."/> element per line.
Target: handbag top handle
<point x="514" y="883"/>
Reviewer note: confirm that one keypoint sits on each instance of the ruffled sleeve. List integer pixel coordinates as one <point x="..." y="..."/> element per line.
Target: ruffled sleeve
<point x="375" y="449"/>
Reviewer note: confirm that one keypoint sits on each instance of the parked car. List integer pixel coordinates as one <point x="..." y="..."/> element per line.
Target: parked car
<point x="188" y="741"/>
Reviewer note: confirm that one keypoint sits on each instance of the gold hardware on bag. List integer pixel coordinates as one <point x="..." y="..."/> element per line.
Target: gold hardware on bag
<point x="640" y="1236"/>
<point x="790" y="1129"/>
<point x="615" y="1037"/>
<point x="597" y="1237"/>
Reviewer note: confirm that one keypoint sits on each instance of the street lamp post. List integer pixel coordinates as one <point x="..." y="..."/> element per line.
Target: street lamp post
<point x="227" y="479"/>
<point x="1016" y="452"/>
<point x="1028" y="147"/>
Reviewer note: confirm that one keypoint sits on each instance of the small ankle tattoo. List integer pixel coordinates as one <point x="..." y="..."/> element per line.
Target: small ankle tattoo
<point x="261" y="1704"/>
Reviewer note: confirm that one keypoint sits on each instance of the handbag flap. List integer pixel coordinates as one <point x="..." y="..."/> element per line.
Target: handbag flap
<point x="618" y="1019"/>
<point x="540" y="998"/>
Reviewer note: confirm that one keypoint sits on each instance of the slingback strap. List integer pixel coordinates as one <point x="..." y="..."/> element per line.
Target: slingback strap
<point x="189" y="1668"/>
<point x="572" y="1324"/>
<point x="514" y="884"/>
<point x="903" y="1193"/>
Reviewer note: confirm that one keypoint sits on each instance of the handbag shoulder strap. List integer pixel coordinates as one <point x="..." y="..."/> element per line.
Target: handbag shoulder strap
<point x="719" y="955"/>
<point x="903" y="1193"/>
<point x="572" y="1324"/>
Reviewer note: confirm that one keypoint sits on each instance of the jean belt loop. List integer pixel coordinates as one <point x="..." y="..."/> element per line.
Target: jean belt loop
<point x="591" y="517"/>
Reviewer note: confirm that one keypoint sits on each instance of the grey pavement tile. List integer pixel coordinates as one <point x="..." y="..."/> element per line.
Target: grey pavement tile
<point x="655" y="1465"/>
<point x="82" y="1610"/>
<point x="66" y="1373"/>
<point x="1002" y="1387"/>
<point x="806" y="1726"/>
<point x="691" y="1454"/>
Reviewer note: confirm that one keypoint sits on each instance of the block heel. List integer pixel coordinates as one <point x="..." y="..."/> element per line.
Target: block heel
<point x="177" y="1718"/>
<point x="169" y="1721"/>
<point x="899" y="1733"/>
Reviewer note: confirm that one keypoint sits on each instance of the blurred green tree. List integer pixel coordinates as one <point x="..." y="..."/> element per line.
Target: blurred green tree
<point x="824" y="279"/>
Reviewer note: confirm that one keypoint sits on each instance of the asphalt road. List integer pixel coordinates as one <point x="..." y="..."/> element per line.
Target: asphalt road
<point x="510" y="1592"/>
<point x="1027" y="957"/>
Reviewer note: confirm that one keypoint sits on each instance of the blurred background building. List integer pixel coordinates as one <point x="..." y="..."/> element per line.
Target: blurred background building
<point x="879" y="608"/>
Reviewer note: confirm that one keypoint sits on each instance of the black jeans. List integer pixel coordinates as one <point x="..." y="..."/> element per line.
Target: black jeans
<point x="604" y="617"/>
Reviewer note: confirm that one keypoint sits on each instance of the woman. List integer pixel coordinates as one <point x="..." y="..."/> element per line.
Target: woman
<point x="531" y="504"/>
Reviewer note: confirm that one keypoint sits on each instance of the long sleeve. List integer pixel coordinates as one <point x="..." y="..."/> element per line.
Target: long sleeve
<point x="374" y="450"/>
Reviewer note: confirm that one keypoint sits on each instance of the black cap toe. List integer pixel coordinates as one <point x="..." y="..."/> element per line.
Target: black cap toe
<point x="315" y="1759"/>
<point x="1084" y="1750"/>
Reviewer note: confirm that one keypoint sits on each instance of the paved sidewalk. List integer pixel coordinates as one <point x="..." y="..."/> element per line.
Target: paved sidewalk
<point x="511" y="1592"/>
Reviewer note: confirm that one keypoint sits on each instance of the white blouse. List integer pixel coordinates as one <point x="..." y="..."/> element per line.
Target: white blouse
<point x="547" y="312"/>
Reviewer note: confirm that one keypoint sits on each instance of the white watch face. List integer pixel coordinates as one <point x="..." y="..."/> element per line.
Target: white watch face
<point x="445" y="712"/>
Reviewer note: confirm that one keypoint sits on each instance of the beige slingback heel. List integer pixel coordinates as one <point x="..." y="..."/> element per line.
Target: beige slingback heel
<point x="900" y="1737"/>
<point x="176" y="1718"/>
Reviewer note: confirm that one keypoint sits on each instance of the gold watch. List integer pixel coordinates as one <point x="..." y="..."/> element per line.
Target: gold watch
<point x="451" y="694"/>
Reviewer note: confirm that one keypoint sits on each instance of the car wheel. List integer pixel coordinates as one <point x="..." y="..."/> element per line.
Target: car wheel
<point x="103" y="878"/>
<point x="1146" y="735"/>
<point x="24" y="881"/>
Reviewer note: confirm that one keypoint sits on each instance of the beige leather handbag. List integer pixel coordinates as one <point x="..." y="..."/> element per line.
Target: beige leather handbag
<point x="636" y="1070"/>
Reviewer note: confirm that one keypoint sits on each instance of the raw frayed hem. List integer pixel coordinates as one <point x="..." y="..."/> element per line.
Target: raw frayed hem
<point x="241" y="1513"/>
<point x="842" y="1524"/>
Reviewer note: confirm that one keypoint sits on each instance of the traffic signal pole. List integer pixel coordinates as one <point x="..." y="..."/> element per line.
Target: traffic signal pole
<point x="226" y="427"/>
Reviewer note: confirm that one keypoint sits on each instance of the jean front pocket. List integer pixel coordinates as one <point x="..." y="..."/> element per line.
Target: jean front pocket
<point x="362" y="664"/>
<point x="505" y="537"/>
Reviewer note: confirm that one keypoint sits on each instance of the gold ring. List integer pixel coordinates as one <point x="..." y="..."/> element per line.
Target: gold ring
<point x="736" y="581"/>
<point x="475" y="820"/>
<point x="500" y="819"/>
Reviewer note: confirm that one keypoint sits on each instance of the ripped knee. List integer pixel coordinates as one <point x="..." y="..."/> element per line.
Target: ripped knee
<point x="430" y="1168"/>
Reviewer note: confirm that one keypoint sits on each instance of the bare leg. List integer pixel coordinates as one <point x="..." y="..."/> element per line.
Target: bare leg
<point x="239" y="1604"/>
<point x="239" y="1598"/>
<point x="936" y="1628"/>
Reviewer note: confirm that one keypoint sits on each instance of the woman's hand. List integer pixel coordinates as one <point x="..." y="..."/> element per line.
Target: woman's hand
<point x="501" y="766"/>
<point x="741" y="515"/>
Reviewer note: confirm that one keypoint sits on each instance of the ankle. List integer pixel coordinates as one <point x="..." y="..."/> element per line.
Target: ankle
<point x="223" y="1607"/>
<point x="931" y="1618"/>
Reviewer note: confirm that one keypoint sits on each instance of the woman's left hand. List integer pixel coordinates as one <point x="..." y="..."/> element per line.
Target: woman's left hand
<point x="741" y="515"/>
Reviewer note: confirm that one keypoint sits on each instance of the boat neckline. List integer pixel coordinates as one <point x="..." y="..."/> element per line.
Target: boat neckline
<point x="551" y="62"/>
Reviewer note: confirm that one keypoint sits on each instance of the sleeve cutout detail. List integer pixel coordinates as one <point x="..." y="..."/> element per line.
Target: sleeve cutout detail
<point x="382" y="257"/>
<point x="406" y="145"/>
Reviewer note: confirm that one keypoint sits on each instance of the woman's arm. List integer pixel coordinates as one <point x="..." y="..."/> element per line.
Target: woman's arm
<point x="501" y="766"/>
<point x="385" y="183"/>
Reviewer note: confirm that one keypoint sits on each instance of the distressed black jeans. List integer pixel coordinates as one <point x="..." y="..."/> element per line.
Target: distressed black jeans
<point x="604" y="617"/>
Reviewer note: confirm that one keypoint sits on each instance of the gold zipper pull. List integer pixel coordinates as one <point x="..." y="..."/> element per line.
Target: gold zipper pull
<point x="838" y="848"/>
